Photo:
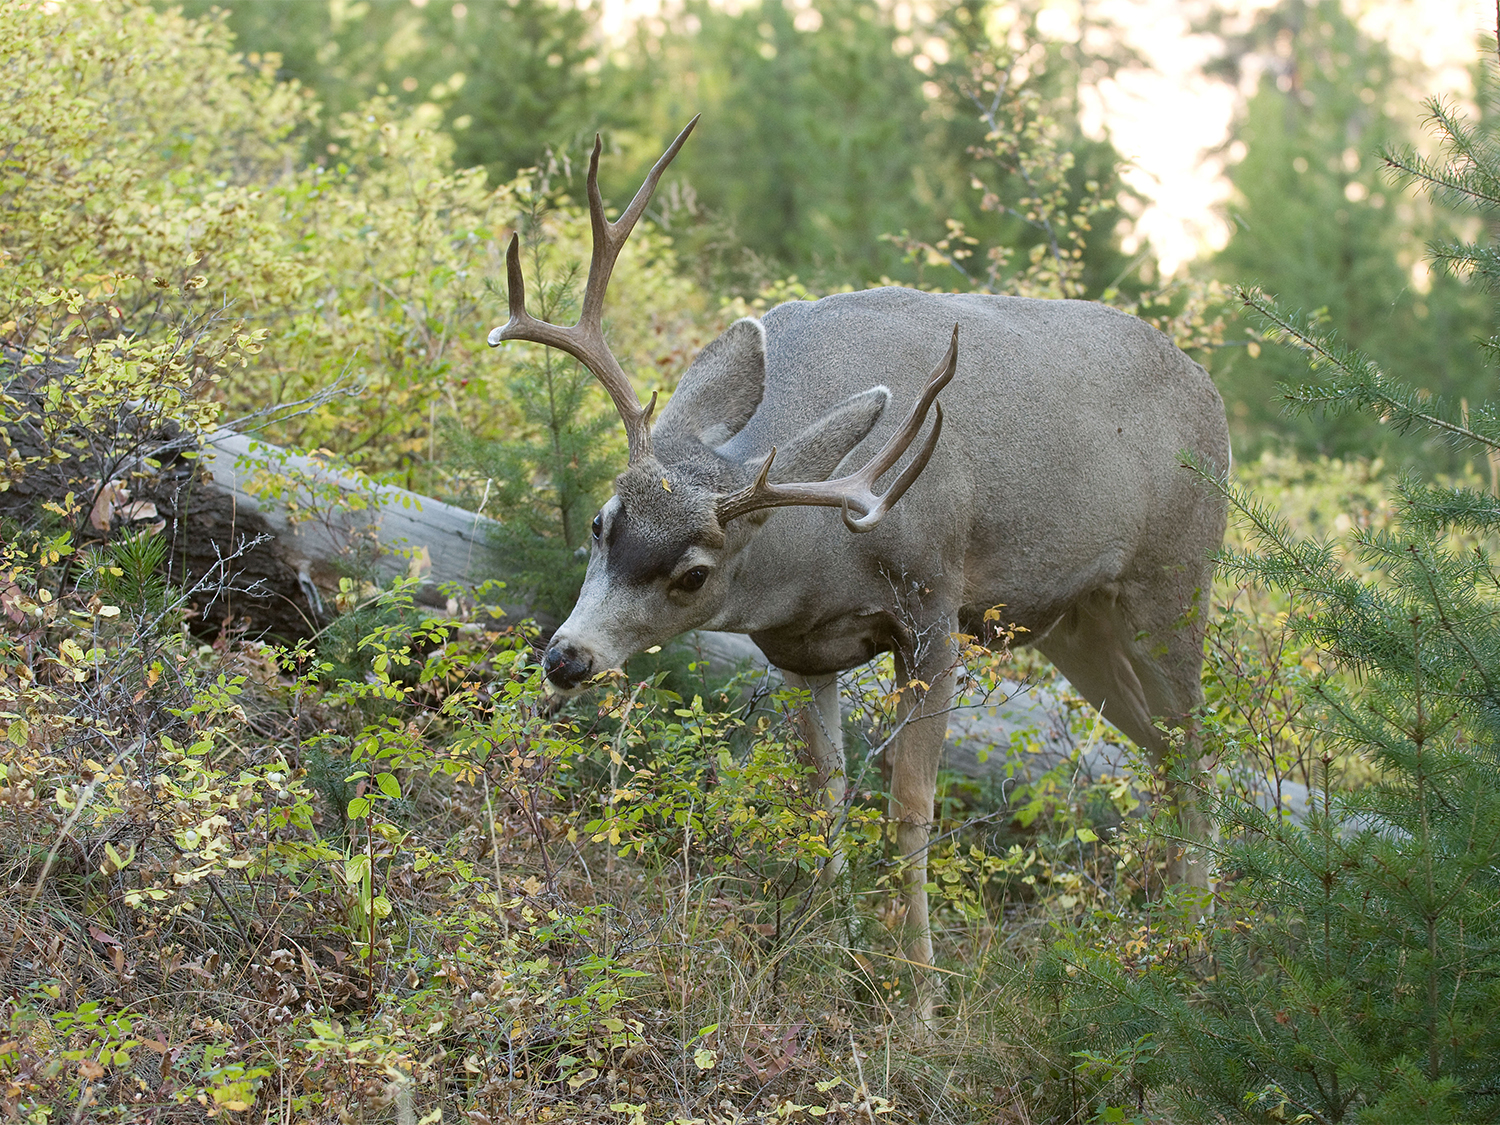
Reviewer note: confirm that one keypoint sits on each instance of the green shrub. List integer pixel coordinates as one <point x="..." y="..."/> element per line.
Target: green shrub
<point x="143" y="158"/>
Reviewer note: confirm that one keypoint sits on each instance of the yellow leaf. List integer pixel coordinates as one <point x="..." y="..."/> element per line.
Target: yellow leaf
<point x="117" y="861"/>
<point x="421" y="560"/>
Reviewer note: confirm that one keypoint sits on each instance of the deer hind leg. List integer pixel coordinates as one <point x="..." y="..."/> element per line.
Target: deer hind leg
<point x="1168" y="660"/>
<point x="821" y="726"/>
<point x="913" y="779"/>
<point x="1137" y="672"/>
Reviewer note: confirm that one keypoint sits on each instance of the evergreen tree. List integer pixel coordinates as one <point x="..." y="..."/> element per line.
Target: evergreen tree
<point x="511" y="77"/>
<point x="1354" y="968"/>
<point x="831" y="126"/>
<point x="1314" y="223"/>
<point x="821" y="135"/>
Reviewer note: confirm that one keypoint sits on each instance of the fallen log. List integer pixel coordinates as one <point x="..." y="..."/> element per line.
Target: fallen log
<point x="324" y="525"/>
<point x="256" y="538"/>
<point x="261" y="538"/>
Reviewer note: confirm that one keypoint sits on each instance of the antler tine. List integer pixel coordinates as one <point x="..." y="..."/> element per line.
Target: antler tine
<point x="515" y="282"/>
<point x="874" y="515"/>
<point x="585" y="340"/>
<point x="609" y="237"/>
<point x="857" y="490"/>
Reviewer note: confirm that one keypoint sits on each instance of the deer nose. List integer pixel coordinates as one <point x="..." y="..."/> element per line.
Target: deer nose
<point x="566" y="666"/>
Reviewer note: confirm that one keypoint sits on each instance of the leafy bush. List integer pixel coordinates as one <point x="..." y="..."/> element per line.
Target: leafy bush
<point x="144" y="157"/>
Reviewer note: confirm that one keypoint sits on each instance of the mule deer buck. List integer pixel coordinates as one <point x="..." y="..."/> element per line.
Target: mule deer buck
<point x="1051" y="486"/>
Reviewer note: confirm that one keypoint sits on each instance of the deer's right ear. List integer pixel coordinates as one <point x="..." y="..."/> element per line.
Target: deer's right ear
<point x="720" y="392"/>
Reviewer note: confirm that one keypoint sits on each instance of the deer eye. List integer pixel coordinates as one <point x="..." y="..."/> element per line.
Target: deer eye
<point x="693" y="579"/>
<point x="598" y="526"/>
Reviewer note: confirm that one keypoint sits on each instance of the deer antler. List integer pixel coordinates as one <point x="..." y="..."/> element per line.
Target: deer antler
<point x="585" y="340"/>
<point x="857" y="489"/>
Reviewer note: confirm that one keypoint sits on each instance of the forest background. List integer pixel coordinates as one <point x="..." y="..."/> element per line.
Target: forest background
<point x="394" y="885"/>
<point x="838" y="129"/>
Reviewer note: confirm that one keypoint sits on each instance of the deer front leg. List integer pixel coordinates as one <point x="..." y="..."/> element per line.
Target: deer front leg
<point x="914" y="768"/>
<point x="821" y="724"/>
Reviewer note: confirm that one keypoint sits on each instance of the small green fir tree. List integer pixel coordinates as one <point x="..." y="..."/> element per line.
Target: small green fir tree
<point x="1352" y="972"/>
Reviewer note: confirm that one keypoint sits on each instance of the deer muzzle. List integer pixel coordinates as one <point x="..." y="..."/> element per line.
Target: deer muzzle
<point x="567" y="665"/>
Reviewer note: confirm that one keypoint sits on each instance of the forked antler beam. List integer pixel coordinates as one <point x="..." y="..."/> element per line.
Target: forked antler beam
<point x="585" y="340"/>
<point x="858" y="489"/>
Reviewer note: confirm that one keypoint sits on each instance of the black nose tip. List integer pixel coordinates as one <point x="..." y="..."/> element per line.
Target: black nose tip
<point x="566" y="666"/>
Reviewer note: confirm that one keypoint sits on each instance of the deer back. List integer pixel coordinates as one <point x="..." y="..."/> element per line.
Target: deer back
<point x="1059" y="463"/>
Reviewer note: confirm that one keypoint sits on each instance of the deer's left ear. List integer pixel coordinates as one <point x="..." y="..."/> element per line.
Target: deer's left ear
<point x="816" y="452"/>
<point x="720" y="392"/>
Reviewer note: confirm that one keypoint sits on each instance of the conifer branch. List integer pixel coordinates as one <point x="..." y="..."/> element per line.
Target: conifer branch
<point x="1359" y="385"/>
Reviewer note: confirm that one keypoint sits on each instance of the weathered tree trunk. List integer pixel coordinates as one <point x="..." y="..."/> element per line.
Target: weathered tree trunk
<point x="320" y="526"/>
